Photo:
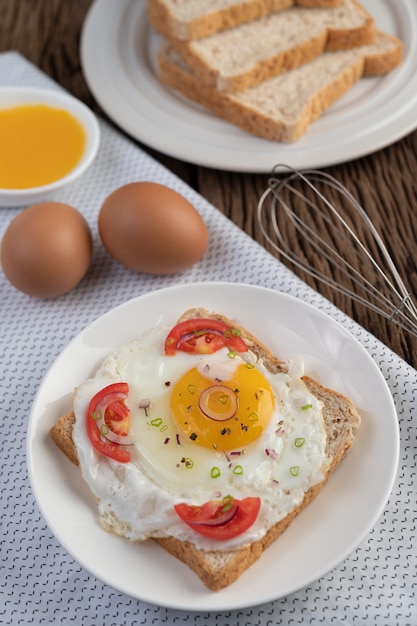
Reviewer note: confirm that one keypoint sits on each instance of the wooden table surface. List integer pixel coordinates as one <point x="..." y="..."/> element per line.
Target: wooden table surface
<point x="47" y="32"/>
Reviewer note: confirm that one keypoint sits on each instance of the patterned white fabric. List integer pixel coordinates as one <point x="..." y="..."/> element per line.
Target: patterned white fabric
<point x="39" y="581"/>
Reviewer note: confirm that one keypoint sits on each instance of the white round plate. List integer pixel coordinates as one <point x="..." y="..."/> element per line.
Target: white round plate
<point x="118" y="51"/>
<point x="321" y="536"/>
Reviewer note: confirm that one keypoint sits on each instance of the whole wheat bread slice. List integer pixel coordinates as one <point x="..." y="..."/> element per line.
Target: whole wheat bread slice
<point x="251" y="53"/>
<point x="218" y="569"/>
<point x="186" y="20"/>
<point x="282" y="108"/>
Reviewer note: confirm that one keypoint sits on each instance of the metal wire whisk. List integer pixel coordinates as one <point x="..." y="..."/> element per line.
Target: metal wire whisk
<point x="391" y="298"/>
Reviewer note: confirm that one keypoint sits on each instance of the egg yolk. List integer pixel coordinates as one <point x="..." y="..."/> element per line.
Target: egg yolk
<point x="39" y="144"/>
<point x="223" y="415"/>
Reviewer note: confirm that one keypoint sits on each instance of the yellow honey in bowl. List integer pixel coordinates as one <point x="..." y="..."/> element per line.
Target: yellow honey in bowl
<point x="39" y="144"/>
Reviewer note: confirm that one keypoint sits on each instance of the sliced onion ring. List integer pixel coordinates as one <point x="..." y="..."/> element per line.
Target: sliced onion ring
<point x="196" y="334"/>
<point x="223" y="392"/>
<point x="225" y="517"/>
<point x="98" y="415"/>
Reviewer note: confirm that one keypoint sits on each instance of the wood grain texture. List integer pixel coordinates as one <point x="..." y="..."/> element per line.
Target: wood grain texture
<point x="47" y="32"/>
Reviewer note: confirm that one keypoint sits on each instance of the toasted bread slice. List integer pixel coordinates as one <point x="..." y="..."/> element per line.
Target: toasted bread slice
<point x="282" y="108"/>
<point x="218" y="568"/>
<point x="185" y="21"/>
<point x="247" y="55"/>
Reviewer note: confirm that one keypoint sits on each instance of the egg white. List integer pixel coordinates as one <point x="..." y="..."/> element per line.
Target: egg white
<point x="136" y="499"/>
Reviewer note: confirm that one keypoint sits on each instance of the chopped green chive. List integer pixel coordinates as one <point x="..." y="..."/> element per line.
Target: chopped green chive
<point x="299" y="442"/>
<point x="238" y="470"/>
<point x="157" y="422"/>
<point x="227" y="503"/>
<point x="104" y="430"/>
<point x="306" y="406"/>
<point x="215" y="472"/>
<point x="295" y="470"/>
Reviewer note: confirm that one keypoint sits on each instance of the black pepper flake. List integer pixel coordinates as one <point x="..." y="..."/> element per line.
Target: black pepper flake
<point x="168" y="383"/>
<point x="244" y="427"/>
<point x="193" y="436"/>
<point x="225" y="431"/>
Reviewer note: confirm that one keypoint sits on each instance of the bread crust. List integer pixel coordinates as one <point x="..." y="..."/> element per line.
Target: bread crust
<point x="252" y="110"/>
<point x="169" y="24"/>
<point x="218" y="569"/>
<point x="61" y="433"/>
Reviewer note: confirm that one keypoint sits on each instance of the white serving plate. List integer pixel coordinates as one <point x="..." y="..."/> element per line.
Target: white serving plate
<point x="118" y="51"/>
<point x="326" y="532"/>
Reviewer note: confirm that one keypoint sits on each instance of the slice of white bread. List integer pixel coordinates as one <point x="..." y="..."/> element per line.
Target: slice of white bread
<point x="218" y="569"/>
<point x="248" y="54"/>
<point x="282" y="108"/>
<point x="186" y="20"/>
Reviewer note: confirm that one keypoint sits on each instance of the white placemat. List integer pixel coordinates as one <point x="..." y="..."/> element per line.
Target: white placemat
<point x="40" y="583"/>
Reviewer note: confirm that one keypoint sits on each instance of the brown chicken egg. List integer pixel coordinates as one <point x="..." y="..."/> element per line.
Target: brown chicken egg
<point x="46" y="250"/>
<point x="151" y="228"/>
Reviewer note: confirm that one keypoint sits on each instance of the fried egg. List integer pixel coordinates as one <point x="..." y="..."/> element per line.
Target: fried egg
<point x="202" y="427"/>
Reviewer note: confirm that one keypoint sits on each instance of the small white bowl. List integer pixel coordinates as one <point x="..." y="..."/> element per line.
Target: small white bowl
<point x="15" y="96"/>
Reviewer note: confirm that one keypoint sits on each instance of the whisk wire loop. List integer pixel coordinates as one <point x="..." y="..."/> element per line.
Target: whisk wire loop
<point x="323" y="247"/>
<point x="398" y="307"/>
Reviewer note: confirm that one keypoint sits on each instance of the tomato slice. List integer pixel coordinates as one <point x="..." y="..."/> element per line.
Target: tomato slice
<point x="108" y="420"/>
<point x="220" y="519"/>
<point x="117" y="418"/>
<point x="203" y="336"/>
